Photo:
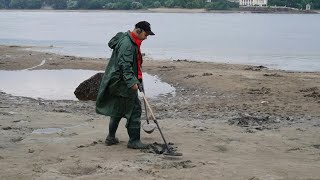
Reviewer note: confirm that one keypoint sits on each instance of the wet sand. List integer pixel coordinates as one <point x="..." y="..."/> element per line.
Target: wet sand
<point x="229" y="121"/>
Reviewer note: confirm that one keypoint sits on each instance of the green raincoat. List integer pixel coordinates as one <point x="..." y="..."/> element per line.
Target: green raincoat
<point x="115" y="97"/>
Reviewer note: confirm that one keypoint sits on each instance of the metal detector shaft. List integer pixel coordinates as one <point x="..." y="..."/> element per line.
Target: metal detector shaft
<point x="155" y="121"/>
<point x="144" y="102"/>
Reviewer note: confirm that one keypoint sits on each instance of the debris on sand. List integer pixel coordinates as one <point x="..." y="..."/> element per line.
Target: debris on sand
<point x="158" y="148"/>
<point x="186" y="60"/>
<point x="167" y="68"/>
<point x="87" y="145"/>
<point x="178" y="165"/>
<point x="317" y="146"/>
<point x="61" y="110"/>
<point x="253" y="178"/>
<point x="207" y="74"/>
<point x="272" y="75"/>
<point x="16" y="139"/>
<point x="78" y="170"/>
<point x="181" y="60"/>
<point x="255" y="68"/>
<point x="190" y="76"/>
<point x="30" y="151"/>
<point x="259" y="122"/>
<point x="7" y="128"/>
<point x="312" y="89"/>
<point x="313" y="92"/>
<point x="263" y="90"/>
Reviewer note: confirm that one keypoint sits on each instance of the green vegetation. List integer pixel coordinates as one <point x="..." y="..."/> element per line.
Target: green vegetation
<point x="114" y="4"/>
<point x="300" y="4"/>
<point x="221" y="5"/>
<point x="142" y="4"/>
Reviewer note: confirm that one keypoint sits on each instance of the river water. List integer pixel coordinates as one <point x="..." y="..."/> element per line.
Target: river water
<point x="281" y="41"/>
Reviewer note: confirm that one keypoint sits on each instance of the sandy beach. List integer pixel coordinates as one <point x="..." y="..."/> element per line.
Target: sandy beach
<point x="229" y="121"/>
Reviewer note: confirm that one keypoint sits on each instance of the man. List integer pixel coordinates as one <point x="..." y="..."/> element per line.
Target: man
<point x="118" y="95"/>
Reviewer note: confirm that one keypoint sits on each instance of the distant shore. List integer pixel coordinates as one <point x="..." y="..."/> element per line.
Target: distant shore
<point x="176" y="10"/>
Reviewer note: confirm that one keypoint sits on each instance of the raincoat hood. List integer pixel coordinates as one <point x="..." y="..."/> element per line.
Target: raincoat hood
<point x="117" y="38"/>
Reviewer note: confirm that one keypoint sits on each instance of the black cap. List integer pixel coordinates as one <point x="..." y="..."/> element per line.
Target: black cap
<point x="144" y="25"/>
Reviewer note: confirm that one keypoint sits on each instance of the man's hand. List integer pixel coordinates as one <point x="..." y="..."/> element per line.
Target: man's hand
<point x="134" y="87"/>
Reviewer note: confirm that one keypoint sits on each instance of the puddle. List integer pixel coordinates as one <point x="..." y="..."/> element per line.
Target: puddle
<point x="154" y="87"/>
<point x="56" y="130"/>
<point x="52" y="140"/>
<point x="60" y="84"/>
<point x="76" y="126"/>
<point x="46" y="131"/>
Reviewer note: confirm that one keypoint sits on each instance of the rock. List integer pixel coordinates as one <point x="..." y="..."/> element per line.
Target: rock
<point x="30" y="151"/>
<point x="59" y="110"/>
<point x="251" y="130"/>
<point x="255" y="68"/>
<point x="16" y="139"/>
<point x="277" y="120"/>
<point x="317" y="146"/>
<point x="207" y="74"/>
<point x="301" y="129"/>
<point x="253" y="178"/>
<point x="7" y="128"/>
<point x="201" y="128"/>
<point x="88" y="89"/>
<point x="12" y="113"/>
<point x="81" y="146"/>
<point x="263" y="90"/>
<point x="190" y="76"/>
<point x="273" y="75"/>
<point x="212" y="162"/>
<point x="246" y="120"/>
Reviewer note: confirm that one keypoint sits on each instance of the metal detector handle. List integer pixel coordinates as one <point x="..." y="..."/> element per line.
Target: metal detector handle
<point x="141" y="89"/>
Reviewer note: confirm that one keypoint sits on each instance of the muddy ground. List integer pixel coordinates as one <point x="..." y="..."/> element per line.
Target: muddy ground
<point x="229" y="121"/>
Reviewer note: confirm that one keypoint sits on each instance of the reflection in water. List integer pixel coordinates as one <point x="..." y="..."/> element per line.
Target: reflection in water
<point x="60" y="84"/>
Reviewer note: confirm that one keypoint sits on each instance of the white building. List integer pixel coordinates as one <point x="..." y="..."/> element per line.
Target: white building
<point x="253" y="2"/>
<point x="308" y="7"/>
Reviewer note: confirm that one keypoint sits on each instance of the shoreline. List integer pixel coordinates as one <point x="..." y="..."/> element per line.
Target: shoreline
<point x="222" y="117"/>
<point x="167" y="10"/>
<point x="36" y="49"/>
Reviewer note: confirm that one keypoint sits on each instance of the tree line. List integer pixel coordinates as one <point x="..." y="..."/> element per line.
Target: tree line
<point x="142" y="4"/>
<point x="115" y="4"/>
<point x="300" y="4"/>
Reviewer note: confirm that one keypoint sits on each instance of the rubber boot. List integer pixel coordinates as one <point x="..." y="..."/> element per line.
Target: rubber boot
<point x="113" y="126"/>
<point x="134" y="141"/>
